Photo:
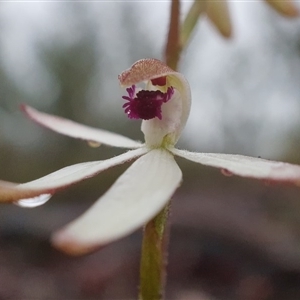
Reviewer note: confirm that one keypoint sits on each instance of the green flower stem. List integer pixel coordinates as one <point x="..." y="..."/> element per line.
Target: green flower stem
<point x="154" y="247"/>
<point x="153" y="259"/>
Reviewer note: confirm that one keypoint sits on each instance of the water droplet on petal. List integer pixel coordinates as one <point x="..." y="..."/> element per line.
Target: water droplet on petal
<point x="94" y="144"/>
<point x="34" y="201"/>
<point x="226" y="172"/>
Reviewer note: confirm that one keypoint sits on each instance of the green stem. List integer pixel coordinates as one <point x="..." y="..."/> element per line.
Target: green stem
<point x="154" y="247"/>
<point x="153" y="259"/>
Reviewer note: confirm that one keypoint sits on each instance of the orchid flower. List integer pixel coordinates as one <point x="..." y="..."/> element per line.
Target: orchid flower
<point x="218" y="12"/>
<point x="163" y="103"/>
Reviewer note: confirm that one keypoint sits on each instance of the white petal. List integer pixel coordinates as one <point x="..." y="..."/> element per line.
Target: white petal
<point x="135" y="198"/>
<point x="246" y="166"/>
<point x="76" y="130"/>
<point x="62" y="178"/>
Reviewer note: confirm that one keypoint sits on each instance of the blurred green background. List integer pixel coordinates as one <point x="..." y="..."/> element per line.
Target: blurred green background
<point x="231" y="238"/>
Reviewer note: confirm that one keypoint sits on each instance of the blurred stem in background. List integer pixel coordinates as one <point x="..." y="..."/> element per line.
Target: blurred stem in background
<point x="173" y="51"/>
<point x="155" y="238"/>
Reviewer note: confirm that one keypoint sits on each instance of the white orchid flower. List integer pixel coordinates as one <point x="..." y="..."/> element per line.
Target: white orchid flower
<point x="146" y="187"/>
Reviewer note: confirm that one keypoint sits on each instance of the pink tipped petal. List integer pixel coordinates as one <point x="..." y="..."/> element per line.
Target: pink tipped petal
<point x="62" y="178"/>
<point x="76" y="130"/>
<point x="135" y="198"/>
<point x="246" y="166"/>
<point x="9" y="192"/>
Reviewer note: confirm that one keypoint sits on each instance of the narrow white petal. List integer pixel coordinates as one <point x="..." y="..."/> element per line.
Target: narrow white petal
<point x="62" y="178"/>
<point x="135" y="198"/>
<point x="246" y="166"/>
<point x="76" y="130"/>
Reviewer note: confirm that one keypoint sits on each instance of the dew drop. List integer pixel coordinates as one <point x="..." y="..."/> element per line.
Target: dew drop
<point x="226" y="172"/>
<point x="34" y="201"/>
<point x="94" y="144"/>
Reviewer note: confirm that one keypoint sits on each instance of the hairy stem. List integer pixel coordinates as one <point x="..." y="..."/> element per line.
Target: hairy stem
<point x="153" y="259"/>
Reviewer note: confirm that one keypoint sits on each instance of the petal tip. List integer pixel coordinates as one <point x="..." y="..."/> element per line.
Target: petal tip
<point x="286" y="8"/>
<point x="227" y="32"/>
<point x="23" y="107"/>
<point x="27" y="110"/>
<point x="64" y="242"/>
<point x="218" y="13"/>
